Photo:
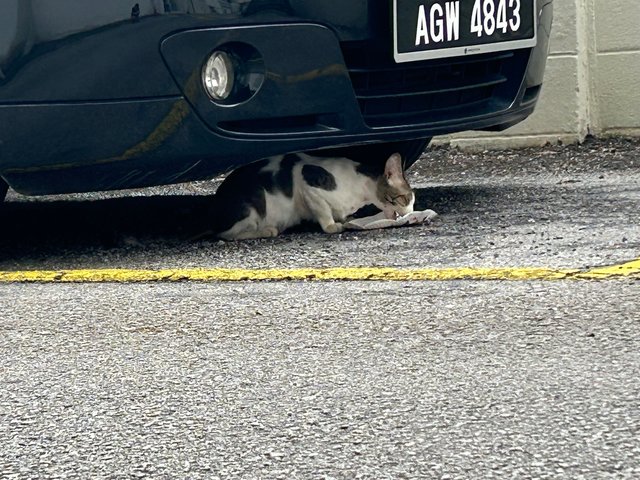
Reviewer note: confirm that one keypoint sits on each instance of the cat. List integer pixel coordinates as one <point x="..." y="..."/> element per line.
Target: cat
<point x="264" y="198"/>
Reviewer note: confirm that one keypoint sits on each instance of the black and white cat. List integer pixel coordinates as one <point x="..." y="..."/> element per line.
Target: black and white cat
<point x="264" y="198"/>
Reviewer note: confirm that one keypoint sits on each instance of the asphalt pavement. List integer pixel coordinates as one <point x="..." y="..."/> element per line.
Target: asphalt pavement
<point x="455" y="379"/>
<point x="556" y="206"/>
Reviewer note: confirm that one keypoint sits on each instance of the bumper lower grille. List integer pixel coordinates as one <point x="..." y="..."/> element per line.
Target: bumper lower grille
<point x="433" y="90"/>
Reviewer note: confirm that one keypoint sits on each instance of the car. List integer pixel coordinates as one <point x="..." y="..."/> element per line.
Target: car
<point x="99" y="95"/>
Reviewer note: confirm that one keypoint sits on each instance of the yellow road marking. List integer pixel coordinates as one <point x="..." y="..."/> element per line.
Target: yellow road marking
<point x="629" y="270"/>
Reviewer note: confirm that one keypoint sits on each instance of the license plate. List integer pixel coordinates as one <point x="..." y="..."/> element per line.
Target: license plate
<point x="425" y="29"/>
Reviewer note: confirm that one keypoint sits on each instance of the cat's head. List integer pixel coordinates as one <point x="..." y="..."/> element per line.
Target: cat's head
<point x="395" y="196"/>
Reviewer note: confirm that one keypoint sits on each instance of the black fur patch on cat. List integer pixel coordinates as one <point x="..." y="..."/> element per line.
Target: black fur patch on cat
<point x="370" y="169"/>
<point x="284" y="177"/>
<point x="319" y="177"/>
<point x="253" y="183"/>
<point x="250" y="180"/>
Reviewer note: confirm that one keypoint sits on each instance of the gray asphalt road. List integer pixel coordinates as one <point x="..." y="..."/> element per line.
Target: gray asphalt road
<point x="321" y="380"/>
<point x="465" y="379"/>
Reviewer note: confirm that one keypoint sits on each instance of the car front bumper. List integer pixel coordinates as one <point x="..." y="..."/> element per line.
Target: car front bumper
<point x="317" y="94"/>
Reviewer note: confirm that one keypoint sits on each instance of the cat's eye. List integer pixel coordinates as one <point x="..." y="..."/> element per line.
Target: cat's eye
<point x="397" y="200"/>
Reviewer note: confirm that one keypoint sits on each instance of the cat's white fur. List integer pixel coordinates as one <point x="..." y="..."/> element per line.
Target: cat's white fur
<point x="330" y="208"/>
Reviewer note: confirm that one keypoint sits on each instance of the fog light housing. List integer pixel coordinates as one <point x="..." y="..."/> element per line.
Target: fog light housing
<point x="218" y="76"/>
<point x="233" y="73"/>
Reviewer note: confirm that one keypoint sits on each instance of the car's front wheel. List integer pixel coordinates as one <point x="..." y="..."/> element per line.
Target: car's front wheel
<point x="3" y="189"/>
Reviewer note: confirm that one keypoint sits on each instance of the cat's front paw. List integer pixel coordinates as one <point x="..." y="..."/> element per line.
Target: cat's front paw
<point x="270" y="232"/>
<point x="334" y="228"/>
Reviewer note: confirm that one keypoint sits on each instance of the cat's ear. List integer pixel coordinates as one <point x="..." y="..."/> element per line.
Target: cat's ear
<point x="393" y="167"/>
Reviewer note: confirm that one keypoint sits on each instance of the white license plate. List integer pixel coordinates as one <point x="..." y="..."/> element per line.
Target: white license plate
<point x="425" y="29"/>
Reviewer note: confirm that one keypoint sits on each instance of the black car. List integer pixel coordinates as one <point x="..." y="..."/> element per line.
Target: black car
<point x="100" y="95"/>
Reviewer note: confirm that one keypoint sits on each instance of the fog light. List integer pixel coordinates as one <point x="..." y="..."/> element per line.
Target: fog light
<point x="218" y="75"/>
<point x="233" y="74"/>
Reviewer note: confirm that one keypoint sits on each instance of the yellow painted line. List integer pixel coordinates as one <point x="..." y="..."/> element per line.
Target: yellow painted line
<point x="627" y="270"/>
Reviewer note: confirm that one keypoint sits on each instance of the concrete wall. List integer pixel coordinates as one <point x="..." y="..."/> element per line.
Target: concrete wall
<point x="592" y="82"/>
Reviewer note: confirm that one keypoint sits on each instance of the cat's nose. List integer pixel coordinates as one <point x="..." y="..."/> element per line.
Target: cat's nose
<point x="404" y="211"/>
<point x="390" y="214"/>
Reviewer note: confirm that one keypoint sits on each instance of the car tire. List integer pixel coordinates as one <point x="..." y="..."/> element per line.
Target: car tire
<point x="411" y="150"/>
<point x="4" y="188"/>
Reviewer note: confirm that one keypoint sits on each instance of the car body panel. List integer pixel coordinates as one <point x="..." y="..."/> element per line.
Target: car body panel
<point x="106" y="95"/>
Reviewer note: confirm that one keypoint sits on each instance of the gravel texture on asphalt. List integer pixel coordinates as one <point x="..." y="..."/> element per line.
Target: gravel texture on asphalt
<point x="559" y="206"/>
<point x="452" y="380"/>
<point x="348" y="380"/>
